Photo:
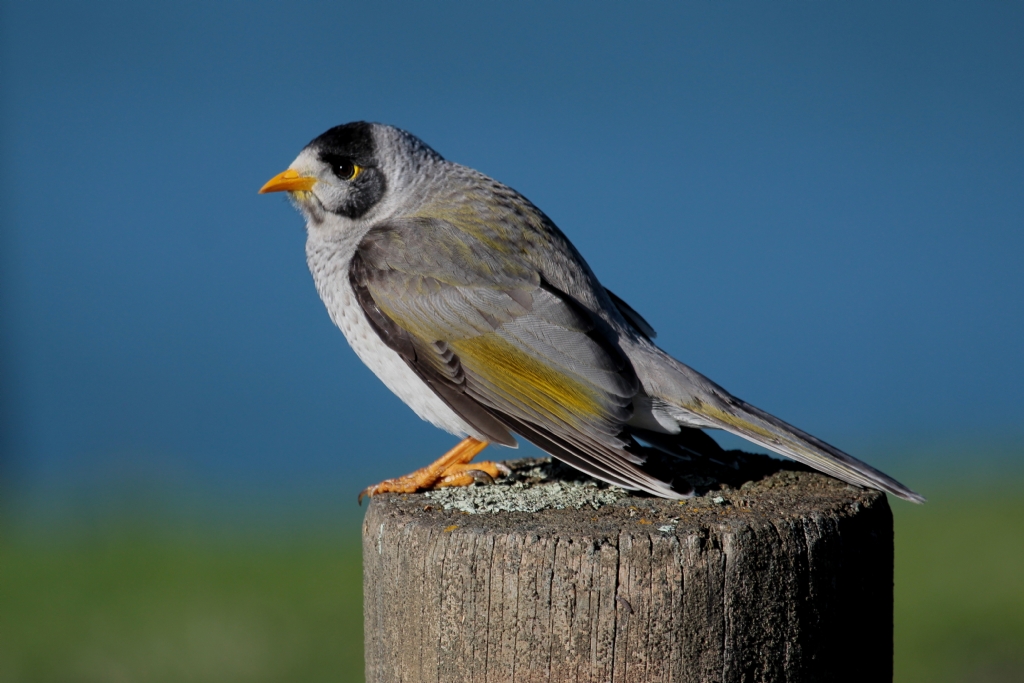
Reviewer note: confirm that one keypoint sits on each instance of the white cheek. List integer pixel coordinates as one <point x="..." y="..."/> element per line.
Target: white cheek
<point x="330" y="194"/>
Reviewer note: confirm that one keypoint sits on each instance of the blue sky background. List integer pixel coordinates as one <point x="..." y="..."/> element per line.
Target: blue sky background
<point x="819" y="205"/>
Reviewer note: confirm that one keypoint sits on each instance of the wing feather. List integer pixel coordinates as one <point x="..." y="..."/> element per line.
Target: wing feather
<point x="501" y="346"/>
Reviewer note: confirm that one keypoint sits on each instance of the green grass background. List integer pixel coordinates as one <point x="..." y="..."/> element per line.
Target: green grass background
<point x="146" y="601"/>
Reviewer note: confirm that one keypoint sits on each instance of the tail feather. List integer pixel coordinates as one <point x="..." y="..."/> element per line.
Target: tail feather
<point x="697" y="401"/>
<point x="753" y="424"/>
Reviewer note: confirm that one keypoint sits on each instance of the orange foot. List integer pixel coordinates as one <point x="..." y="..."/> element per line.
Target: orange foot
<point x="451" y="469"/>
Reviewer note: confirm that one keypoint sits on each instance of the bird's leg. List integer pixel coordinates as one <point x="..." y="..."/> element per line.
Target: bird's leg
<point x="465" y="474"/>
<point x="451" y="469"/>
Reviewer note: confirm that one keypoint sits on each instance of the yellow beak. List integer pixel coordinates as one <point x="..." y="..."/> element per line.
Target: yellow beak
<point x="289" y="181"/>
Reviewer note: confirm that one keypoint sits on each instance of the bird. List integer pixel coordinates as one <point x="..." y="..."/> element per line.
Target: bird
<point x="475" y="309"/>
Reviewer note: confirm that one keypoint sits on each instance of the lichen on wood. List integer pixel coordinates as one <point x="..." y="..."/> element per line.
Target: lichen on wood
<point x="772" y="573"/>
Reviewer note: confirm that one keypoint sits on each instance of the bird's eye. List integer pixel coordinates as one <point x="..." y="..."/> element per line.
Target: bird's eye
<point x="343" y="167"/>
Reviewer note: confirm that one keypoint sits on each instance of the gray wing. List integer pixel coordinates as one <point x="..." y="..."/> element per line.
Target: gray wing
<point x="632" y="317"/>
<point x="503" y="348"/>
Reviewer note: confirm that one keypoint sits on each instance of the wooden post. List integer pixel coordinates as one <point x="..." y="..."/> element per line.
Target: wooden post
<point x="785" y="579"/>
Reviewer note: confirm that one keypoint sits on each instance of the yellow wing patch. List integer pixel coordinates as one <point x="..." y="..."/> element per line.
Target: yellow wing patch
<point x="528" y="380"/>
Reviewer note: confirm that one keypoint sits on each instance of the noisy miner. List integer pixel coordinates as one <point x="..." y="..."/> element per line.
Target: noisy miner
<point x="473" y="307"/>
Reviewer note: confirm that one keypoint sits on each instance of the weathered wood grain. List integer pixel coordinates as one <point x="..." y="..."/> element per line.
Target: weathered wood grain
<point x="789" y="579"/>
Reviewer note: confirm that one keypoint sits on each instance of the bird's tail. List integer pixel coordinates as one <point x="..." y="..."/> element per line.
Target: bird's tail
<point x="696" y="401"/>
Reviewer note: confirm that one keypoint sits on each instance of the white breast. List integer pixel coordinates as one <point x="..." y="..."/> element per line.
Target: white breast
<point x="328" y="262"/>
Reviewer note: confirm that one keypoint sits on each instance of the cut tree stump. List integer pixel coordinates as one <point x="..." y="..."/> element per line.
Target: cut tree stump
<point x="787" y="577"/>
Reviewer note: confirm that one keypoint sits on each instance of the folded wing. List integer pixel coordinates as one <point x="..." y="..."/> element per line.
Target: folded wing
<point x="502" y="347"/>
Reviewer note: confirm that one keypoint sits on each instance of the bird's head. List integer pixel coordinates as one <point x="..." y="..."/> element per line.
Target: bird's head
<point x="357" y="171"/>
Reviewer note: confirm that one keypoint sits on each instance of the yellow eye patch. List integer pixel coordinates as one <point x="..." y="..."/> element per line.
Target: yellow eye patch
<point x="342" y="166"/>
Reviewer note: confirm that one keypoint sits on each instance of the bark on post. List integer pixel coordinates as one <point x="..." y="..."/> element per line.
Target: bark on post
<point x="786" y="579"/>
